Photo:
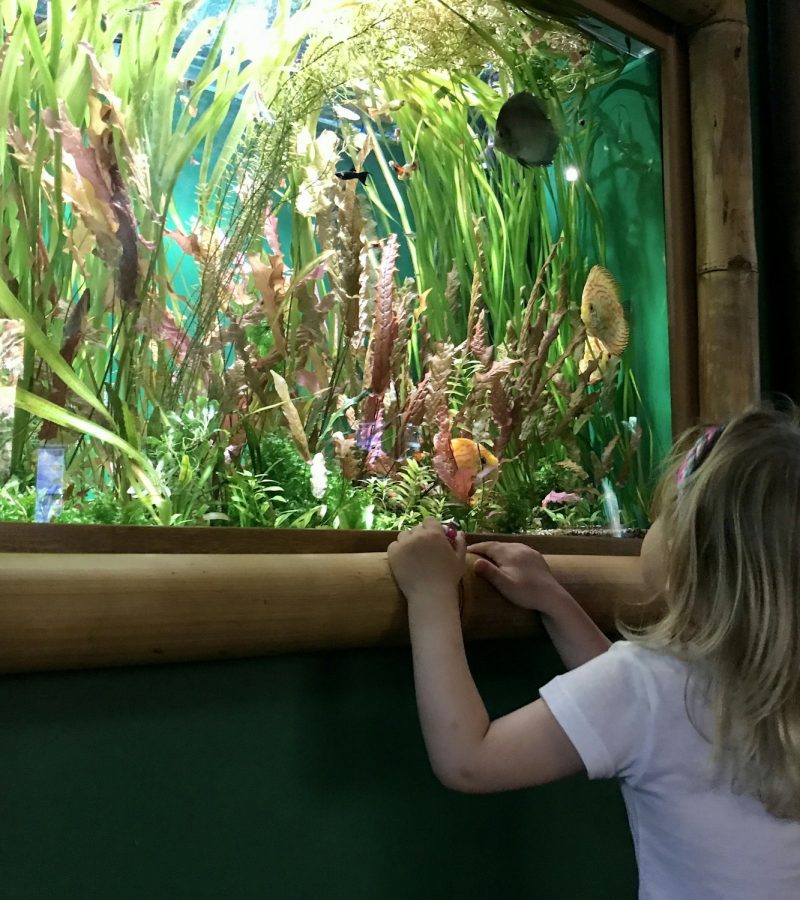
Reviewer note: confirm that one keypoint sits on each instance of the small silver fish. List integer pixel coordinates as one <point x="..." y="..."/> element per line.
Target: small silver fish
<point x="524" y="132"/>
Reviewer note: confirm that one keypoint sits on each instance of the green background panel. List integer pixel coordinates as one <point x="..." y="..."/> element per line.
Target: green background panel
<point x="627" y="179"/>
<point x="285" y="778"/>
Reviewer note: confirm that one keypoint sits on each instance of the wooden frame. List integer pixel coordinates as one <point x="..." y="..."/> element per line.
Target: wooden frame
<point x="102" y="539"/>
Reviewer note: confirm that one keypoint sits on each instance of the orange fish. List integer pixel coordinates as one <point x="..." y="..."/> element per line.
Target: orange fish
<point x="472" y="456"/>
<point x="404" y="172"/>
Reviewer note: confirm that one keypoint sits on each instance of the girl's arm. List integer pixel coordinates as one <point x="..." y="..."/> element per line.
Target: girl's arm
<point x="467" y="751"/>
<point x="574" y="635"/>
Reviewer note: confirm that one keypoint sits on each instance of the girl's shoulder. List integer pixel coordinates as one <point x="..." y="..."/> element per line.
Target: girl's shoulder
<point x="666" y="682"/>
<point x="638" y="654"/>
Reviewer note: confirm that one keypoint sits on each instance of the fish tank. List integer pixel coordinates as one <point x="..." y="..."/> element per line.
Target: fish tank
<point x="326" y="263"/>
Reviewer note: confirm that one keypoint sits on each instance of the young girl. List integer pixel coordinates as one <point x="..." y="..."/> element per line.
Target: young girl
<point x="698" y="715"/>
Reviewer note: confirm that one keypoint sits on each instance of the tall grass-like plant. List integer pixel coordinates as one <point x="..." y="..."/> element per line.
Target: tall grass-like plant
<point x="104" y="117"/>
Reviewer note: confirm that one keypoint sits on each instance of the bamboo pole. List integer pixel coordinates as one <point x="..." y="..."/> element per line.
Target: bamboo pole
<point x="65" y="611"/>
<point x="727" y="273"/>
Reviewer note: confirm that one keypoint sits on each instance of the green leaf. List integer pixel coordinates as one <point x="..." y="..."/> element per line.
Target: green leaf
<point x="51" y="412"/>
<point x="185" y="472"/>
<point x="48" y="352"/>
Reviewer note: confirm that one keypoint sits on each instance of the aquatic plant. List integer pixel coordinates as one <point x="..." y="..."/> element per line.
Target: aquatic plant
<point x="104" y="118"/>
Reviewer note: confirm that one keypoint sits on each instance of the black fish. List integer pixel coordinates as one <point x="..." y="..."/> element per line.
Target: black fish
<point x="524" y="132"/>
<point x="351" y="174"/>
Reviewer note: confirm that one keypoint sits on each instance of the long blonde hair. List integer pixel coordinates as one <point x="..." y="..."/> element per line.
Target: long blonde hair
<point x="733" y="597"/>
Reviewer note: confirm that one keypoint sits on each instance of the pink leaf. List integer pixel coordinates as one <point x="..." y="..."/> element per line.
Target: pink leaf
<point x="271" y="232"/>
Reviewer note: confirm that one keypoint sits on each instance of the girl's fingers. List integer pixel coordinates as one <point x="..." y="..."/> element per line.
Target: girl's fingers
<point x="493" y="575"/>
<point x="493" y="550"/>
<point x="490" y="572"/>
<point x="460" y="546"/>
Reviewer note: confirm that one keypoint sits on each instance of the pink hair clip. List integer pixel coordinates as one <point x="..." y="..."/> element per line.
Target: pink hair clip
<point x="700" y="450"/>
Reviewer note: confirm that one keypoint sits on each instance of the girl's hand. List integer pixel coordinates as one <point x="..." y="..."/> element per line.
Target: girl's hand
<point x="520" y="574"/>
<point x="425" y="562"/>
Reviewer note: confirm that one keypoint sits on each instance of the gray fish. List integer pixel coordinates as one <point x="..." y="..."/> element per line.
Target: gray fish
<point x="524" y="132"/>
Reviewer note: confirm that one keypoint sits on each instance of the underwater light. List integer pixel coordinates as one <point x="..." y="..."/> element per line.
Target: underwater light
<point x="571" y="174"/>
<point x="246" y="29"/>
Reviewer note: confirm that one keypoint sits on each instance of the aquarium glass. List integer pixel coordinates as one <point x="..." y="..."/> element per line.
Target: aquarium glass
<point x="307" y="264"/>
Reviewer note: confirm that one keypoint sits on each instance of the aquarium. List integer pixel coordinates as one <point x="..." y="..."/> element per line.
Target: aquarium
<point x="329" y="264"/>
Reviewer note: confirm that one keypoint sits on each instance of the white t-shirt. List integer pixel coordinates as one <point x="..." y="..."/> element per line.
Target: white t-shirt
<point x="625" y="712"/>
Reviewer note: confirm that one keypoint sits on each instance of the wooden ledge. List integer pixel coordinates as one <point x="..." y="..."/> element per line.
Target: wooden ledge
<point x="64" y="611"/>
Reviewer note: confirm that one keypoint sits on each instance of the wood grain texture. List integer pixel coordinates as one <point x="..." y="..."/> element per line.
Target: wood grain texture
<point x="30" y="538"/>
<point x="685" y="12"/>
<point x="727" y="268"/>
<point x="728" y="326"/>
<point x="681" y="247"/>
<point x="643" y="21"/>
<point x="95" y="610"/>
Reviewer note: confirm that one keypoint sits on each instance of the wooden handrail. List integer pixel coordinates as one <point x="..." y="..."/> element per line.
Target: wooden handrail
<point x="65" y="611"/>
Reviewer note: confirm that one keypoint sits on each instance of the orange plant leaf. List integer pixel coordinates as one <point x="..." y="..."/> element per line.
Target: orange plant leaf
<point x="271" y="286"/>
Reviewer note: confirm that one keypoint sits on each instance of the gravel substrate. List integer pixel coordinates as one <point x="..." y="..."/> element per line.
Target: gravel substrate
<point x="588" y="532"/>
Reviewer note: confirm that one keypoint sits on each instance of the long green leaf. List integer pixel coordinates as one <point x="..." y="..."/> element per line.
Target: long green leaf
<point x="50" y="354"/>
<point x="140" y="466"/>
<point x="51" y="412"/>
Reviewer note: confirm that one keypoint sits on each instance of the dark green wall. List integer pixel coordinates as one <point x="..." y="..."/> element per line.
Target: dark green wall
<point x="285" y="778"/>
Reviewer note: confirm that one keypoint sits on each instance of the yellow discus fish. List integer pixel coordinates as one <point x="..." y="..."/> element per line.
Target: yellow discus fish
<point x="472" y="456"/>
<point x="602" y="313"/>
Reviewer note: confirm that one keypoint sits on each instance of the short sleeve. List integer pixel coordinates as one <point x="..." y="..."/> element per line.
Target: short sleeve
<point x="604" y="708"/>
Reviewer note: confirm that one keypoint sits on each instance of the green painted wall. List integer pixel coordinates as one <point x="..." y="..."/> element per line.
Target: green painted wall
<point x="289" y="778"/>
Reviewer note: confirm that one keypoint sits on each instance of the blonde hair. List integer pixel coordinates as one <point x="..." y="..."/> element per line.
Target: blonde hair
<point x="733" y="598"/>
